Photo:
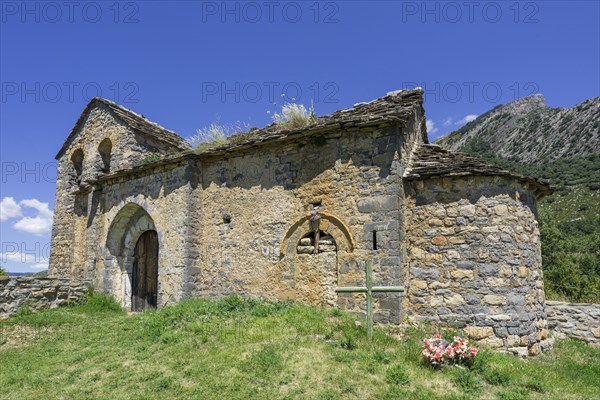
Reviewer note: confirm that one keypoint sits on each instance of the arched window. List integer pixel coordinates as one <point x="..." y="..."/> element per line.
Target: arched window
<point x="77" y="161"/>
<point x="104" y="149"/>
<point x="310" y="235"/>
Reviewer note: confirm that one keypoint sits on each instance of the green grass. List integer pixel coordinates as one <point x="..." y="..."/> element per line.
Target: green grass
<point x="250" y="349"/>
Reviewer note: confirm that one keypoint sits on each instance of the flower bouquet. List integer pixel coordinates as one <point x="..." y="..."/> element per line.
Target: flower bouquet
<point x="440" y="352"/>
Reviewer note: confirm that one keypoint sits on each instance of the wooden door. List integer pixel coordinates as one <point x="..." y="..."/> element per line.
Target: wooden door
<point x="145" y="272"/>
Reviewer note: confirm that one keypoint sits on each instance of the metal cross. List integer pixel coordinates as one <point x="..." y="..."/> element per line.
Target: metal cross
<point x="369" y="289"/>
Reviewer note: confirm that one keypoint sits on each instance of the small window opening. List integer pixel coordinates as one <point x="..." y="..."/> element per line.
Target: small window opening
<point x="316" y="204"/>
<point x="77" y="161"/>
<point x="226" y="218"/>
<point x="374" y="240"/>
<point x="104" y="149"/>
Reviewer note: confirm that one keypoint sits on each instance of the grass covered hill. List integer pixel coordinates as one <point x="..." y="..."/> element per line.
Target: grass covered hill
<point x="562" y="147"/>
<point x="250" y="349"/>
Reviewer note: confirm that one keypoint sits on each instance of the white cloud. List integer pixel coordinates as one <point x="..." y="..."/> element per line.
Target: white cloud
<point x="9" y="209"/>
<point x="468" y="118"/>
<point x="41" y="223"/>
<point x="40" y="265"/>
<point x="431" y="126"/>
<point x="32" y="257"/>
<point x="448" y="121"/>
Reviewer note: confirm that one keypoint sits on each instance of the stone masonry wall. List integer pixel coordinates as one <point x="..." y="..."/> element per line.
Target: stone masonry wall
<point x="351" y="176"/>
<point x="38" y="293"/>
<point x="158" y="199"/>
<point x="224" y="222"/>
<point x="475" y="260"/>
<point x="576" y="321"/>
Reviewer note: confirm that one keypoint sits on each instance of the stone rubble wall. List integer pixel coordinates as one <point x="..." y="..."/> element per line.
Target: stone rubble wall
<point x="223" y="222"/>
<point x="159" y="200"/>
<point x="475" y="260"/>
<point x="38" y="293"/>
<point x="576" y="321"/>
<point x="349" y="174"/>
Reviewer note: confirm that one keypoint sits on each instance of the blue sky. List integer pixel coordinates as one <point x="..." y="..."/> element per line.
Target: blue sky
<point x="187" y="64"/>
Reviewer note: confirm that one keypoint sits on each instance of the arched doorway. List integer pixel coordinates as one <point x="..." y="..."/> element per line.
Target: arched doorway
<point x="133" y="241"/>
<point x="144" y="290"/>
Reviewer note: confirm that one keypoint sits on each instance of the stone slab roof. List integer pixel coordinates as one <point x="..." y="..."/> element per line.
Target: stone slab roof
<point x="396" y="106"/>
<point x="430" y="160"/>
<point x="136" y="121"/>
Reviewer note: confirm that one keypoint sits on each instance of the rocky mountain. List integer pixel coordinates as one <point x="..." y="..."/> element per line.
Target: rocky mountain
<point x="528" y="131"/>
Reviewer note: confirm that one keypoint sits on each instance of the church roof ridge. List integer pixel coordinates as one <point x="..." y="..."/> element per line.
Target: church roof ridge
<point x="136" y="121"/>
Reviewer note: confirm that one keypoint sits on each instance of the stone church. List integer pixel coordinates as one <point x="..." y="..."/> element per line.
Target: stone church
<point x="295" y="213"/>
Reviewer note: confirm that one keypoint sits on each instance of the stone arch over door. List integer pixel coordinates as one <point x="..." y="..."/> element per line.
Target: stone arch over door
<point x="312" y="258"/>
<point x="126" y="228"/>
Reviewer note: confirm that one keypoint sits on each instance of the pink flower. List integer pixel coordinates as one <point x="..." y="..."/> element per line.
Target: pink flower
<point x="439" y="352"/>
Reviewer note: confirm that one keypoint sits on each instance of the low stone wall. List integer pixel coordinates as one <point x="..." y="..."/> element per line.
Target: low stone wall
<point x="38" y="293"/>
<point x="576" y="321"/>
